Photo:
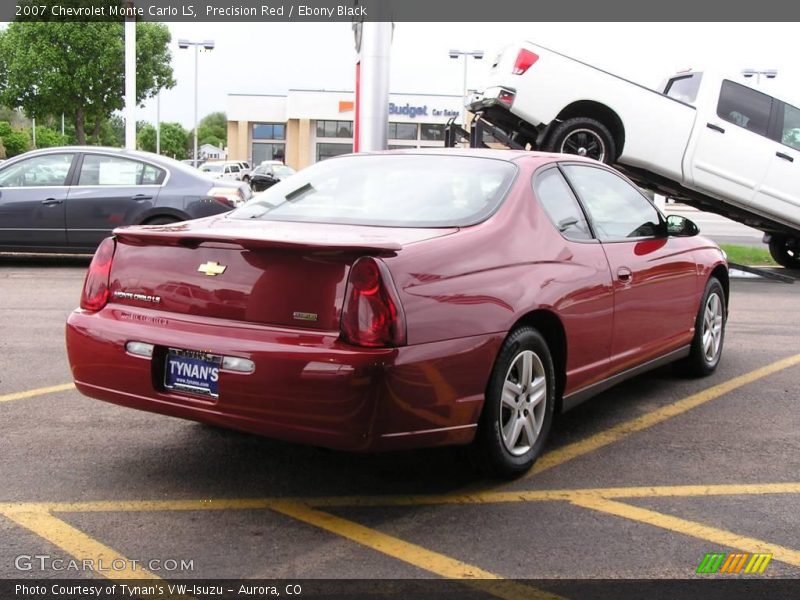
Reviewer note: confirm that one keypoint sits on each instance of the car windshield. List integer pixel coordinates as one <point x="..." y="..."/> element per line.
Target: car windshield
<point x="282" y="170"/>
<point x="400" y="190"/>
<point x="211" y="168"/>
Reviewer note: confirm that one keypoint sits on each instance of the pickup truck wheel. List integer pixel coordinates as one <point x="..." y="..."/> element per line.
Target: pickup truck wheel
<point x="518" y="407"/>
<point x="584" y="137"/>
<point x="785" y="252"/>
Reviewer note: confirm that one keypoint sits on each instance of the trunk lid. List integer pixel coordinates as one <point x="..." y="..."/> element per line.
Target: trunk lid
<point x="267" y="272"/>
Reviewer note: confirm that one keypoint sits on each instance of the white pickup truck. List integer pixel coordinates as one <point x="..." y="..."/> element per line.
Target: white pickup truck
<point x="715" y="142"/>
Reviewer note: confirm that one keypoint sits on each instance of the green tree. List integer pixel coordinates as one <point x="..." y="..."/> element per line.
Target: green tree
<point x="174" y="139"/>
<point x="146" y="137"/>
<point x="49" y="138"/>
<point x="112" y="132"/>
<point x="15" y="140"/>
<point x="13" y="116"/>
<point x="213" y="129"/>
<point x="50" y="68"/>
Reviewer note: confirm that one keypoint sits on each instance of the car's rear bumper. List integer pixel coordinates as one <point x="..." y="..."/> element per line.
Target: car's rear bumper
<point x="307" y="386"/>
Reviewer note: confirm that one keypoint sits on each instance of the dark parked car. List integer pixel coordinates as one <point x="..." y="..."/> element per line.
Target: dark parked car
<point x="398" y="300"/>
<point x="68" y="199"/>
<point x="268" y="174"/>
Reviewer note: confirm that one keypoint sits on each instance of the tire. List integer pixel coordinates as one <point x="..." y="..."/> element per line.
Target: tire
<point x="161" y="221"/>
<point x="706" y="352"/>
<point x="784" y="253"/>
<point x="584" y="137"/>
<point x="517" y="413"/>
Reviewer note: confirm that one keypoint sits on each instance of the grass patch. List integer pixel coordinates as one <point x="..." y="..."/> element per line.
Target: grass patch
<point x="748" y="255"/>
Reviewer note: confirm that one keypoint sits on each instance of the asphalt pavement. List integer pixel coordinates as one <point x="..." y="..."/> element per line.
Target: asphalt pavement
<point x="641" y="482"/>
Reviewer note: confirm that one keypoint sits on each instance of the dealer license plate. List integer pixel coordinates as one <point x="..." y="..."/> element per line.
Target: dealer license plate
<point x="192" y="371"/>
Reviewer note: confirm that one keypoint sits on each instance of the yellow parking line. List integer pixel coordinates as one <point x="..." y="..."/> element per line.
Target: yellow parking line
<point x="78" y="544"/>
<point x="37" y="392"/>
<point x="84" y="548"/>
<point x="725" y="489"/>
<point x="691" y="528"/>
<point x="622" y="430"/>
<point x="733" y="489"/>
<point x="412" y="554"/>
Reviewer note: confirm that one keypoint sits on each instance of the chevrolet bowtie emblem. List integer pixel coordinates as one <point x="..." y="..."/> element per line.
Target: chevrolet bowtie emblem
<point x="212" y="269"/>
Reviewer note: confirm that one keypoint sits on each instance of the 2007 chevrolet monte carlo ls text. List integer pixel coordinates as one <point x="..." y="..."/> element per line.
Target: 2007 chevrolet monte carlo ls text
<point x="402" y="299"/>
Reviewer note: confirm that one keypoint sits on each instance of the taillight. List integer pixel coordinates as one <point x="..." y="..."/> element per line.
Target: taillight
<point x="372" y="314"/>
<point x="525" y="60"/>
<point x="230" y="197"/>
<point x="506" y="97"/>
<point x="96" y="286"/>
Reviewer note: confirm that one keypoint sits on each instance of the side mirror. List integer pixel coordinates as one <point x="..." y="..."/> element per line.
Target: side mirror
<point x="679" y="226"/>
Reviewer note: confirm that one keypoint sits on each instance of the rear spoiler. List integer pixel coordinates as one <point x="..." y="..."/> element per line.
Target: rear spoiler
<point x="177" y="235"/>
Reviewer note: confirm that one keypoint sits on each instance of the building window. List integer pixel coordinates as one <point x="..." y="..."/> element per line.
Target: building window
<point x="269" y="131"/>
<point x="335" y="129"/>
<point x="330" y="150"/>
<point x="432" y="132"/>
<point x="264" y="151"/>
<point x="402" y="131"/>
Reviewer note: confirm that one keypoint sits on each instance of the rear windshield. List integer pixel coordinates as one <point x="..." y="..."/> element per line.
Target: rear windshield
<point x="393" y="190"/>
<point x="211" y="168"/>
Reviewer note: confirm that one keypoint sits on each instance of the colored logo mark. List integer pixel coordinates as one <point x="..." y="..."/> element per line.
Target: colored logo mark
<point x="734" y="563"/>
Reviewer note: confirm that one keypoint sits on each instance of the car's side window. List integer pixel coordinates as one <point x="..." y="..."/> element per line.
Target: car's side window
<point x="790" y="132"/>
<point x="98" y="169"/>
<point x="617" y="210"/>
<point x="50" y="170"/>
<point x="561" y="206"/>
<point x="745" y="107"/>
<point x="152" y="175"/>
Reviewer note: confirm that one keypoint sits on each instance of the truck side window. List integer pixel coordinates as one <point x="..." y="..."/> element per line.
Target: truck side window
<point x="560" y="204"/>
<point x="617" y="210"/>
<point x="790" y="134"/>
<point x="684" y="88"/>
<point x="744" y="107"/>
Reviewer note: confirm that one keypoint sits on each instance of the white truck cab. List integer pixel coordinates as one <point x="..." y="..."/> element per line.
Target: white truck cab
<point x="716" y="142"/>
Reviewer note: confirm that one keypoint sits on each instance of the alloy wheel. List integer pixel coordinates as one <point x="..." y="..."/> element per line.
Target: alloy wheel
<point x="523" y="403"/>
<point x="584" y="142"/>
<point x="712" y="327"/>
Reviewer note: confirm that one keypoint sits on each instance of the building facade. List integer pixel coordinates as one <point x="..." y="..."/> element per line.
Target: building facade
<point x="306" y="126"/>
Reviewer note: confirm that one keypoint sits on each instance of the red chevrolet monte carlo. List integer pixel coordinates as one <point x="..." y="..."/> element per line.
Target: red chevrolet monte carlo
<point x="397" y="300"/>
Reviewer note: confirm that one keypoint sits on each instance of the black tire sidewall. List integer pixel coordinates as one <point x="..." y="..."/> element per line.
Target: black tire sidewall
<point x="700" y="365"/>
<point x="162" y="221"/>
<point x="565" y="128"/>
<point x="493" y="456"/>
<point x="777" y="249"/>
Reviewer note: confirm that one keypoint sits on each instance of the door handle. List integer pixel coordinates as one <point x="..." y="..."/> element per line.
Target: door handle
<point x="715" y="127"/>
<point x="784" y="156"/>
<point x="624" y="274"/>
<point x="141" y="197"/>
<point x="52" y="202"/>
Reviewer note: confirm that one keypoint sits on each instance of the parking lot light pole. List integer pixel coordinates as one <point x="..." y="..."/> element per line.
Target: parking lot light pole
<point x="183" y="45"/>
<point x="456" y="54"/>
<point x="130" y="82"/>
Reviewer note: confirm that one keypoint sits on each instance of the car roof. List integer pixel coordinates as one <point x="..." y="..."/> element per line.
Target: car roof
<point x="493" y="153"/>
